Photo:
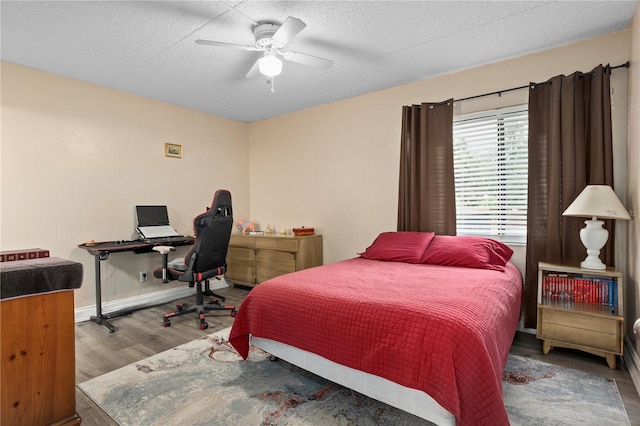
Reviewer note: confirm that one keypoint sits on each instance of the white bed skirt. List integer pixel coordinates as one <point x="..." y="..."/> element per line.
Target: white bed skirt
<point x="410" y="400"/>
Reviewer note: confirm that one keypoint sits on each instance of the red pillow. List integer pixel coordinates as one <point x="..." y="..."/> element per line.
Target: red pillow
<point x="406" y="246"/>
<point x="468" y="252"/>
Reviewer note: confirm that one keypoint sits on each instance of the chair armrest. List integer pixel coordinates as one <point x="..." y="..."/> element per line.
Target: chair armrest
<point x="164" y="250"/>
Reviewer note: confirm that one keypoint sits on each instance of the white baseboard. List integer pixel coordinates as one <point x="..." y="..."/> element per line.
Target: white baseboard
<point x="632" y="360"/>
<point x="522" y="329"/>
<point x="142" y="301"/>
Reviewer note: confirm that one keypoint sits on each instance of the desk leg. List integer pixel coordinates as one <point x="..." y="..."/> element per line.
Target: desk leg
<point x="99" y="318"/>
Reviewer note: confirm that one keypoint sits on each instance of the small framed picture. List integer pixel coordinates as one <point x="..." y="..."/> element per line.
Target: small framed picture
<point x="172" y="150"/>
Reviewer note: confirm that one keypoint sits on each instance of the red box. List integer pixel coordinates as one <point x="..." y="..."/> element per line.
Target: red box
<point x="303" y="231"/>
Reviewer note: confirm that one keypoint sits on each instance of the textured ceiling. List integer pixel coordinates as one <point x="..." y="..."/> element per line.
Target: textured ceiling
<point x="147" y="47"/>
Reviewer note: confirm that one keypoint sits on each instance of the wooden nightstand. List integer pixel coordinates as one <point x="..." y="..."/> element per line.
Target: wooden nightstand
<point x="581" y="309"/>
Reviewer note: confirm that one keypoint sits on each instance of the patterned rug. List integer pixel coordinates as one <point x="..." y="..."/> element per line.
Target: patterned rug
<point x="204" y="382"/>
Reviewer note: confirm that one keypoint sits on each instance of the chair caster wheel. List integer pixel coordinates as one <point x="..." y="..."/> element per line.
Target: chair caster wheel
<point x="166" y="323"/>
<point x="204" y="326"/>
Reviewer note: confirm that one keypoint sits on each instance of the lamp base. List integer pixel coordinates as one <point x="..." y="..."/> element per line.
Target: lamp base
<point x="593" y="262"/>
<point x="594" y="237"/>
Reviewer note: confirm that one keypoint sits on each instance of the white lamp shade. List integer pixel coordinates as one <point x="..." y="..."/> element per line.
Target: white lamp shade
<point x="270" y="65"/>
<point x="597" y="201"/>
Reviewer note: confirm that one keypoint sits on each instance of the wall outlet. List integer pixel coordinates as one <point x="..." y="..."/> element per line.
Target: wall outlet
<point x="143" y="276"/>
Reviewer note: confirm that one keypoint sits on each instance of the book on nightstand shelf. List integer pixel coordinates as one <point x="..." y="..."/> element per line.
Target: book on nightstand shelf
<point x="570" y="291"/>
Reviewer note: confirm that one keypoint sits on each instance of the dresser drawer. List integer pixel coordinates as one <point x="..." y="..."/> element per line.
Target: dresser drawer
<point x="241" y="275"/>
<point x="598" y="332"/>
<point x="239" y="240"/>
<point x="274" y="263"/>
<point x="277" y="243"/>
<point x="241" y="265"/>
<point x="240" y="255"/>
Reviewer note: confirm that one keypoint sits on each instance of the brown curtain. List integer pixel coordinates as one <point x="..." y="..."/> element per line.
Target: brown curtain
<point x="426" y="200"/>
<point x="569" y="148"/>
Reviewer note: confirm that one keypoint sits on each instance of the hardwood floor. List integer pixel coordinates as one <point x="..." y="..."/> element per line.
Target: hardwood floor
<point x="140" y="335"/>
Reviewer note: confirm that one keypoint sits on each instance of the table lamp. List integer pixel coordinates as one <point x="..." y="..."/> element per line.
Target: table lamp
<point x="596" y="201"/>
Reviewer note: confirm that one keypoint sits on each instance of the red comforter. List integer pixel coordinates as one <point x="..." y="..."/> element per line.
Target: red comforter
<point x="440" y="329"/>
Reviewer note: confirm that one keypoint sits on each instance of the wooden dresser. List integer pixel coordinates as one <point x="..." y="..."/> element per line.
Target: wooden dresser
<point x="38" y="342"/>
<point x="252" y="259"/>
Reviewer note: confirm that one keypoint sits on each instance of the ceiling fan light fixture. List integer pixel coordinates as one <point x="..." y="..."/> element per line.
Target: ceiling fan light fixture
<point x="270" y="65"/>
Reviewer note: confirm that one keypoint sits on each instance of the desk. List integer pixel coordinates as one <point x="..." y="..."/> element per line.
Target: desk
<point x="101" y="251"/>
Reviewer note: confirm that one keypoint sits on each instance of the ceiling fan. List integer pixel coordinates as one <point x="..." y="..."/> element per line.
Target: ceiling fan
<point x="271" y="39"/>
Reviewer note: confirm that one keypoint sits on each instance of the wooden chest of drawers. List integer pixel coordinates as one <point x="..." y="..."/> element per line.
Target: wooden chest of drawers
<point x="252" y="259"/>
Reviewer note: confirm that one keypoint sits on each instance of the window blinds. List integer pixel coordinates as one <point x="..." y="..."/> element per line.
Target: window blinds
<point x="490" y="168"/>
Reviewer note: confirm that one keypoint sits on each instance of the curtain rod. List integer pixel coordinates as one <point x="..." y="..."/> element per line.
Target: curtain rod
<point x="500" y="92"/>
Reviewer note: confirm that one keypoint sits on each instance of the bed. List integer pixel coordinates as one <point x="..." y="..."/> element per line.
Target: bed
<point x="431" y="339"/>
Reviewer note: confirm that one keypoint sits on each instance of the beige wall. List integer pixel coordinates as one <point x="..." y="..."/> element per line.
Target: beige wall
<point x="633" y="190"/>
<point x="335" y="167"/>
<point x="76" y="159"/>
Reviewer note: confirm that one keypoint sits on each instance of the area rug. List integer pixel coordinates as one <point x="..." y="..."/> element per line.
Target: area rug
<point x="204" y="382"/>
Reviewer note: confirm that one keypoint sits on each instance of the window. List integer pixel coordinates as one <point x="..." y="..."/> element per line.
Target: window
<point x="490" y="168"/>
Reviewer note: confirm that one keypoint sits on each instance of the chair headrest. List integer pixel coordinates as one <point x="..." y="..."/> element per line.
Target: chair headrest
<point x="221" y="204"/>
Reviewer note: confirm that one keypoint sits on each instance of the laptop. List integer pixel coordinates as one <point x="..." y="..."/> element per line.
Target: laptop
<point x="153" y="223"/>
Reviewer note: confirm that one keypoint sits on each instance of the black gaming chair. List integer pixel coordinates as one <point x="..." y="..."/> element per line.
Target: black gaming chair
<point x="206" y="259"/>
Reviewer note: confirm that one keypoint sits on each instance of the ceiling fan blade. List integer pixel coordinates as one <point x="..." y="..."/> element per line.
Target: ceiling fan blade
<point x="310" y="60"/>
<point x="223" y="44"/>
<point x="288" y="30"/>
<point x="253" y="71"/>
